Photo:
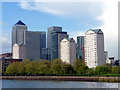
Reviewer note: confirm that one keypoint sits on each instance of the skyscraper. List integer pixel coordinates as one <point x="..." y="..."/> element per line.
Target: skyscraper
<point x="80" y="47"/>
<point x="18" y="35"/>
<point x="56" y="38"/>
<point x="34" y="41"/>
<point x="68" y="50"/>
<point x="94" y="48"/>
<point x="49" y="35"/>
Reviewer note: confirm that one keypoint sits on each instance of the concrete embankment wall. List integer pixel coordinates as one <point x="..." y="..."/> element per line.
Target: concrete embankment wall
<point x="64" y="78"/>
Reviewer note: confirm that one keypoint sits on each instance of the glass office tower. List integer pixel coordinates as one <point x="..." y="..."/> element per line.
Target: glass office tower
<point x="80" y="47"/>
<point x="56" y="39"/>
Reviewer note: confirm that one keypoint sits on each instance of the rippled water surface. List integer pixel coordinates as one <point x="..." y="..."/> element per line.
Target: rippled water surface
<point x="55" y="84"/>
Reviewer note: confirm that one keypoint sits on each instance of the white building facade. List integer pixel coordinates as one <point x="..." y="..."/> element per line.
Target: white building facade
<point x="94" y="48"/>
<point x="68" y="50"/>
<point x="107" y="61"/>
<point x="19" y="51"/>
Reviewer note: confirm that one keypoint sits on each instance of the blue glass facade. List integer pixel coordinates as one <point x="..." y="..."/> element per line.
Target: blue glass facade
<point x="54" y="48"/>
<point x="49" y="35"/>
<point x="42" y="42"/>
<point x="80" y="47"/>
<point x="56" y="39"/>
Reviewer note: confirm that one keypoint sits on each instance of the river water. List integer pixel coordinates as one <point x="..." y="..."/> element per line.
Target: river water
<point x="55" y="84"/>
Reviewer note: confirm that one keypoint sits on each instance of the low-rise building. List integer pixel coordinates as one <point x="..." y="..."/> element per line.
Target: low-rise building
<point x="7" y="62"/>
<point x="46" y="54"/>
<point x="117" y="62"/>
<point x="6" y="55"/>
<point x="112" y="61"/>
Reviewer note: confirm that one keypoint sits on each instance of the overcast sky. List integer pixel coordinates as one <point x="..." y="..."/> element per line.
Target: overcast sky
<point x="75" y="17"/>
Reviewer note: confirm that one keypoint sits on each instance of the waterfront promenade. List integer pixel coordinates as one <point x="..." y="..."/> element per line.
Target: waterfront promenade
<point x="63" y="78"/>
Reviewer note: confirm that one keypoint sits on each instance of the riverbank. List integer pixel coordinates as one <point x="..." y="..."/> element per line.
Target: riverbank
<point x="63" y="78"/>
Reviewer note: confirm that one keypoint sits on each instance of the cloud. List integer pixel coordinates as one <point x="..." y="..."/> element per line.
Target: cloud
<point x="110" y="26"/>
<point x="75" y="9"/>
<point x="5" y="43"/>
<point x="26" y="5"/>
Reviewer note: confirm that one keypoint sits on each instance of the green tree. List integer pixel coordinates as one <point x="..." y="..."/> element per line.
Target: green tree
<point x="66" y="68"/>
<point x="90" y="71"/>
<point x="56" y="66"/>
<point x="31" y="67"/>
<point x="43" y="67"/>
<point x="82" y="69"/>
<point x="12" y="69"/>
<point x="119" y="69"/>
<point x="115" y="70"/>
<point x="22" y="67"/>
<point x="77" y="63"/>
<point x="79" y="67"/>
<point x="109" y="67"/>
<point x="102" y="70"/>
